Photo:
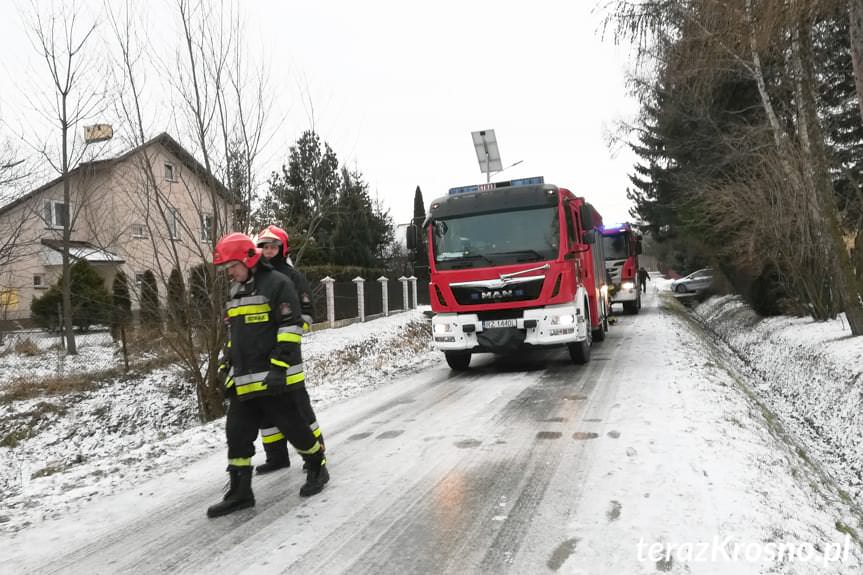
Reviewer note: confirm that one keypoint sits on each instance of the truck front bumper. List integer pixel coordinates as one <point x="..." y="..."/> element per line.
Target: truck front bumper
<point x="540" y="327"/>
<point x="626" y="292"/>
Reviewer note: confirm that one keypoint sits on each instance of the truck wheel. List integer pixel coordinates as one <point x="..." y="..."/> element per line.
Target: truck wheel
<point x="629" y="307"/>
<point x="579" y="352"/>
<point x="599" y="333"/>
<point x="457" y="360"/>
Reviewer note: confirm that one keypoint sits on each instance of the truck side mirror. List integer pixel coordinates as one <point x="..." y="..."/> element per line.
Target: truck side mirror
<point x="588" y="237"/>
<point x="586" y="217"/>
<point x="411" y="236"/>
<point x="638" y="247"/>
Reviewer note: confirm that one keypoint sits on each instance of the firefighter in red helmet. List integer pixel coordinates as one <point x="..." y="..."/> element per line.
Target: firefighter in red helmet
<point x="263" y="360"/>
<point x="273" y="241"/>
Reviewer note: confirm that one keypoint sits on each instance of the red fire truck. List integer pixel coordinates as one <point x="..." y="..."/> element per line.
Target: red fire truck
<point x="514" y="264"/>
<point x="622" y="245"/>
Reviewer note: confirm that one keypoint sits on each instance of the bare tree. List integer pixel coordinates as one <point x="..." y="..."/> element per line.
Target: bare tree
<point x="12" y="169"/>
<point x="14" y="176"/>
<point x="61" y="41"/>
<point x="221" y="113"/>
<point x="739" y="35"/>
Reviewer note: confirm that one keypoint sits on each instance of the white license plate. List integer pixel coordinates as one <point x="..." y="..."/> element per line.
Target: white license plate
<point x="492" y="323"/>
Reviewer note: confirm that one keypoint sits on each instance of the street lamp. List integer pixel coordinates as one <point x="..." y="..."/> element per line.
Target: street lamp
<point x="508" y="167"/>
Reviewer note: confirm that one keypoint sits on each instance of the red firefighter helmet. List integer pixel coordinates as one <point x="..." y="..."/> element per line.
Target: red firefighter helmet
<point x="274" y="235"/>
<point x="236" y="247"/>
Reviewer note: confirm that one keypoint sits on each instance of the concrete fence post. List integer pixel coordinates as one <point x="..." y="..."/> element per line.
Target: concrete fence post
<point x="413" y="281"/>
<point x="384" y="295"/>
<point x="361" y="297"/>
<point x="331" y="299"/>
<point x="404" y="281"/>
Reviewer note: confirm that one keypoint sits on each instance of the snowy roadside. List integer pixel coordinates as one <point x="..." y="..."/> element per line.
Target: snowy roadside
<point x="70" y="448"/>
<point x="807" y="373"/>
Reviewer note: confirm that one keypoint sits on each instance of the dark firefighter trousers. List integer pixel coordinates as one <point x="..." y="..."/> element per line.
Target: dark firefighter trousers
<point x="304" y="404"/>
<point x="281" y="410"/>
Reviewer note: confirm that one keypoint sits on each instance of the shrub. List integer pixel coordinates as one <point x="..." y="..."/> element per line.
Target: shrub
<point x="121" y="304"/>
<point x="90" y="300"/>
<point x="151" y="316"/>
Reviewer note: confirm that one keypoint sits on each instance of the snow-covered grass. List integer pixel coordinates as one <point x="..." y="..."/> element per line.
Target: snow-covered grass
<point x="61" y="449"/>
<point x="808" y="373"/>
<point x="34" y="355"/>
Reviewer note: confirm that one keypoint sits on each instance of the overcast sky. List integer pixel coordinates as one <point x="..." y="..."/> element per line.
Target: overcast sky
<point x="397" y="88"/>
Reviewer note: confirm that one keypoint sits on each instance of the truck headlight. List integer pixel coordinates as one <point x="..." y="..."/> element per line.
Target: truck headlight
<point x="568" y="319"/>
<point x="441" y="328"/>
<point x="628" y="285"/>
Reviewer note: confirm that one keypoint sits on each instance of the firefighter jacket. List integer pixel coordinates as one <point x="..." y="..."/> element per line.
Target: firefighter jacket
<point x="307" y="304"/>
<point x="264" y="336"/>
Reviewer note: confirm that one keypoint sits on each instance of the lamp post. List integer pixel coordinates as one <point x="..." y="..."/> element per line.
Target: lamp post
<point x="508" y="167"/>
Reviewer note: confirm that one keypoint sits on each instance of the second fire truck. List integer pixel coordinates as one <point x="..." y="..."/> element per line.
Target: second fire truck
<point x="622" y="245"/>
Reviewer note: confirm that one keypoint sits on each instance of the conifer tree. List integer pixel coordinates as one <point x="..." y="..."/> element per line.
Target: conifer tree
<point x="421" y="252"/>
<point x="177" y="308"/>
<point x="121" y="303"/>
<point x="203" y="293"/>
<point x="90" y="299"/>
<point x="151" y="316"/>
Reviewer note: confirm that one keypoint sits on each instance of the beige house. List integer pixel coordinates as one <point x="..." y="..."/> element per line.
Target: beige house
<point x="147" y="209"/>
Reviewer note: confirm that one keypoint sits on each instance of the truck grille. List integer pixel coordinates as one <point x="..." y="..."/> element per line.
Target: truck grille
<point x="475" y="295"/>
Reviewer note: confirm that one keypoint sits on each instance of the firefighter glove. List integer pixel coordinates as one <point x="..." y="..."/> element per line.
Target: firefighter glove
<point x="276" y="376"/>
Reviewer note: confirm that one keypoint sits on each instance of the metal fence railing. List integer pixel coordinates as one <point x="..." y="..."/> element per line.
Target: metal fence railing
<point x="35" y="353"/>
<point x="400" y="296"/>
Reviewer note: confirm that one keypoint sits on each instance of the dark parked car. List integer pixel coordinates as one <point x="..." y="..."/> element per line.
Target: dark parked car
<point x="696" y="281"/>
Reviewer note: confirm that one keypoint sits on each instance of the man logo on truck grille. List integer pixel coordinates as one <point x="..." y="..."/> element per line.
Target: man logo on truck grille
<point x="496" y="294"/>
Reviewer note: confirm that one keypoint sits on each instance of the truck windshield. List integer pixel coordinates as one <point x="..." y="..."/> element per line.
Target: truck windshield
<point x="496" y="238"/>
<point x="615" y="247"/>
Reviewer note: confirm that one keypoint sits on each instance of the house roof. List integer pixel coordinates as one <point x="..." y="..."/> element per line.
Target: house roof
<point x="164" y="139"/>
<point x="53" y="253"/>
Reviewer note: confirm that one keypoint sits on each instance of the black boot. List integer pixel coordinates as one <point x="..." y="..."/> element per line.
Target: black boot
<point x="317" y="475"/>
<point x="277" y="457"/>
<point x="239" y="495"/>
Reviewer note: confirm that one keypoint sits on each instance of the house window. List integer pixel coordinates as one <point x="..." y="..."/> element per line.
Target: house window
<point x="55" y="214"/>
<point x="139" y="231"/>
<point x="169" y="172"/>
<point x="39" y="281"/>
<point x="206" y="227"/>
<point x="172" y="224"/>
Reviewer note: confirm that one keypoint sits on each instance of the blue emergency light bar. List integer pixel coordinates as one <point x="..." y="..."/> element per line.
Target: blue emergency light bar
<point x="494" y="185"/>
<point x="613" y="228"/>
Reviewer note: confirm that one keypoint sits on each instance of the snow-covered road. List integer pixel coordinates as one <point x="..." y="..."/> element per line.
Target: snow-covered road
<point x="652" y="458"/>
